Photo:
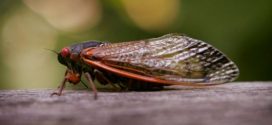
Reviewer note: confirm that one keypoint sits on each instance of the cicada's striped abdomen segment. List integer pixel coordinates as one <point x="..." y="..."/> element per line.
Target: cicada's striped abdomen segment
<point x="173" y="58"/>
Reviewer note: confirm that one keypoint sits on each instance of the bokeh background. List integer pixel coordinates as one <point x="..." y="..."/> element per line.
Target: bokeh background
<point x="241" y="29"/>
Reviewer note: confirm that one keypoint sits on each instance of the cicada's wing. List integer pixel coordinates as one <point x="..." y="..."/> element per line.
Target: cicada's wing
<point x="171" y="57"/>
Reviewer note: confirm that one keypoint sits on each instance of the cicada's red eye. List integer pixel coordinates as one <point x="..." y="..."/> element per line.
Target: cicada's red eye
<point x="65" y="52"/>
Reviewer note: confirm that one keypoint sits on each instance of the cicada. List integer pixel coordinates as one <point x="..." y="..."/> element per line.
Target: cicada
<point x="149" y="64"/>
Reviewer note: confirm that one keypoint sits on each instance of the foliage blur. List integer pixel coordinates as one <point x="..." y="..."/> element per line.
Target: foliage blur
<point x="241" y="29"/>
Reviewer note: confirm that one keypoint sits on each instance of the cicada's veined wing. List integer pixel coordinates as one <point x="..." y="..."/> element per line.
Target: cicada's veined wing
<point x="171" y="57"/>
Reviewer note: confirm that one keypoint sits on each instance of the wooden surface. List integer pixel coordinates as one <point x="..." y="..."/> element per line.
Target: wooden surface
<point x="229" y="104"/>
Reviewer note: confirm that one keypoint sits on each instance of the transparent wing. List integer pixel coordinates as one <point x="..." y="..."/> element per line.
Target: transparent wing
<point x="171" y="57"/>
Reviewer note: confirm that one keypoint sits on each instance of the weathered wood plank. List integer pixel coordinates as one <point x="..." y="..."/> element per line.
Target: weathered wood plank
<point x="234" y="103"/>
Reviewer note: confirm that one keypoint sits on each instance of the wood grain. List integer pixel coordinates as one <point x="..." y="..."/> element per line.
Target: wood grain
<point x="239" y="103"/>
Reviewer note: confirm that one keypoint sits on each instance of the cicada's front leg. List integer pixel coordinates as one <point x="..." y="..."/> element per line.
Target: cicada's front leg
<point x="62" y="85"/>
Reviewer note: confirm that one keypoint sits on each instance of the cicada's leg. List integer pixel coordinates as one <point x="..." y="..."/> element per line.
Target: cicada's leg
<point x="104" y="80"/>
<point x="90" y="81"/>
<point x="62" y="85"/>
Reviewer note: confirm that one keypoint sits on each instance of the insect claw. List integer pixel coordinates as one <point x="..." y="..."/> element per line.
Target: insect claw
<point x="55" y="93"/>
<point x="95" y="96"/>
<point x="60" y="87"/>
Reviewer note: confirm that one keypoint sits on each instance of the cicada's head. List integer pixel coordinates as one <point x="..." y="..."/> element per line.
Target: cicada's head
<point x="64" y="56"/>
<point x="67" y="58"/>
<point x="70" y="57"/>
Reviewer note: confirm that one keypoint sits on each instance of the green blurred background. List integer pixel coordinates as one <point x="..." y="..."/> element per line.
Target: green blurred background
<point x="241" y="29"/>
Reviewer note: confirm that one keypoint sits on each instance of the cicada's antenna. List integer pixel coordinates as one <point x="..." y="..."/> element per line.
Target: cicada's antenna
<point x="54" y="51"/>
